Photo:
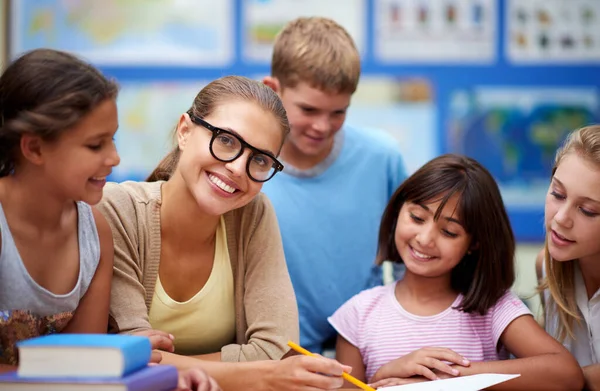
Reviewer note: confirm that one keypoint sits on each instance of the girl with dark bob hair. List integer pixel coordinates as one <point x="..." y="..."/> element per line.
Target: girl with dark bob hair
<point x="452" y="314"/>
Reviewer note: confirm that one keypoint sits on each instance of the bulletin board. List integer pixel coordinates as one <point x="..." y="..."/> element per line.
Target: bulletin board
<point x="502" y="81"/>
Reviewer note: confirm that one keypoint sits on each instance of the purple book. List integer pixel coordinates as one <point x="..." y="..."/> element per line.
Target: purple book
<point x="150" y="378"/>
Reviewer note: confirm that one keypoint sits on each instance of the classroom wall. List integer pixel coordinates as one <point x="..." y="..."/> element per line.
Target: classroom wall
<point x="526" y="278"/>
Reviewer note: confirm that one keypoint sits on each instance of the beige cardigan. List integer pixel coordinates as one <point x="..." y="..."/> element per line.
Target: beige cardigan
<point x="265" y="305"/>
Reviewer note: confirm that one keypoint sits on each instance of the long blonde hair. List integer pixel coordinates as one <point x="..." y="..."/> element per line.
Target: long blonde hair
<point x="560" y="276"/>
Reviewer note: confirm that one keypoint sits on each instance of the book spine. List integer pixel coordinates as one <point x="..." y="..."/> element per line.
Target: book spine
<point x="164" y="379"/>
<point x="136" y="355"/>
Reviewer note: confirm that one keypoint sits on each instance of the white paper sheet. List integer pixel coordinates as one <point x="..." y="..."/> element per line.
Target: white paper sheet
<point x="464" y="383"/>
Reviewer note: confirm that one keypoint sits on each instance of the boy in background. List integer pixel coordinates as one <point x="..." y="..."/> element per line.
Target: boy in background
<point x="337" y="179"/>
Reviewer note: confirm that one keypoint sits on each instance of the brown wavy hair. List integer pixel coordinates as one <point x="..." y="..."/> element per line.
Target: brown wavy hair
<point x="45" y="92"/>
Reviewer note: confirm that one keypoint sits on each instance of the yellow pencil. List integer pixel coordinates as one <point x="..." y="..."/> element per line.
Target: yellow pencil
<point x="345" y="375"/>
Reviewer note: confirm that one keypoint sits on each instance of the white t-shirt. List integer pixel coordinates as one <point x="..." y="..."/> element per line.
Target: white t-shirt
<point x="585" y="347"/>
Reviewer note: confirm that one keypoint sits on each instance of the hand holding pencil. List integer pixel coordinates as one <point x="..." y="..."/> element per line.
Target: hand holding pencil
<point x="344" y="374"/>
<point x="302" y="373"/>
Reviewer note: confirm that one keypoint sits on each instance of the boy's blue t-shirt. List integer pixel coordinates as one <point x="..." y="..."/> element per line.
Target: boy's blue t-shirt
<point x="330" y="224"/>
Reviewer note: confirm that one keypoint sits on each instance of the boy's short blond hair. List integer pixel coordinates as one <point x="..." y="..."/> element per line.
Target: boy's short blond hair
<point x="317" y="51"/>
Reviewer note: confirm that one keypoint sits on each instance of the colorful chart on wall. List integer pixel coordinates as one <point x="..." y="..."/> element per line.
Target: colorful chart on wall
<point x="515" y="133"/>
<point x="553" y="31"/>
<point x="430" y="32"/>
<point x="128" y="32"/>
<point x="148" y="113"/>
<point x="404" y="108"/>
<point x="263" y="19"/>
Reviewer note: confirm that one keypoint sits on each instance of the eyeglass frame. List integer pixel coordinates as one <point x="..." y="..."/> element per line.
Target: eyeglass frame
<point x="277" y="165"/>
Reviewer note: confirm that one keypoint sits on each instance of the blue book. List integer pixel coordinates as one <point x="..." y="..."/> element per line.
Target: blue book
<point x="150" y="378"/>
<point x="83" y="355"/>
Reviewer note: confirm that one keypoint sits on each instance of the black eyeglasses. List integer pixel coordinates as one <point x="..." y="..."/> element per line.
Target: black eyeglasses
<point x="226" y="146"/>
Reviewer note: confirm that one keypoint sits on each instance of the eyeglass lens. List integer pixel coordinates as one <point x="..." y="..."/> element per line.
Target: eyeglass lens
<point x="228" y="147"/>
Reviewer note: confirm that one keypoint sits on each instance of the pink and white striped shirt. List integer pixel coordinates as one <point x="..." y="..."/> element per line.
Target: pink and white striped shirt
<point x="383" y="331"/>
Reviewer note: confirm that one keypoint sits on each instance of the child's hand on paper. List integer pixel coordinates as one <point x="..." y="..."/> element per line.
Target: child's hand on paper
<point x="159" y="341"/>
<point x="397" y="381"/>
<point x="196" y="379"/>
<point x="422" y="362"/>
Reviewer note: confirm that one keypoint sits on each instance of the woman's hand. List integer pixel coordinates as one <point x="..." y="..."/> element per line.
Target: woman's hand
<point x="422" y="362"/>
<point x="159" y="341"/>
<point x="195" y="379"/>
<point x="298" y="373"/>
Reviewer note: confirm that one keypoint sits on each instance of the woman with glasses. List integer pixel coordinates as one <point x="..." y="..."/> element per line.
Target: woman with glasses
<point x="199" y="264"/>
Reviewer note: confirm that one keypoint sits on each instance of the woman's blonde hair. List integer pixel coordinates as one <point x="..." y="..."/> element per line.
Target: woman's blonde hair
<point x="560" y="276"/>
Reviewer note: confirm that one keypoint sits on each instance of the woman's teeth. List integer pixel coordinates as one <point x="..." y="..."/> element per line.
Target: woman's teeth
<point x="222" y="185"/>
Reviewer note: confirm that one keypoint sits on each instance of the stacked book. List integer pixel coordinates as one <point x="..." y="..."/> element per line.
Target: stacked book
<point x="82" y="362"/>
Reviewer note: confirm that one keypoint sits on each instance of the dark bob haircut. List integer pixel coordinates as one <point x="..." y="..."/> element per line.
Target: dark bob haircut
<point x="485" y="274"/>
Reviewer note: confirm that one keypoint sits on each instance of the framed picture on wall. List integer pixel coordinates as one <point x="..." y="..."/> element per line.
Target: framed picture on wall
<point x="263" y="19"/>
<point x="542" y="32"/>
<point x="435" y="32"/>
<point x="128" y="33"/>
